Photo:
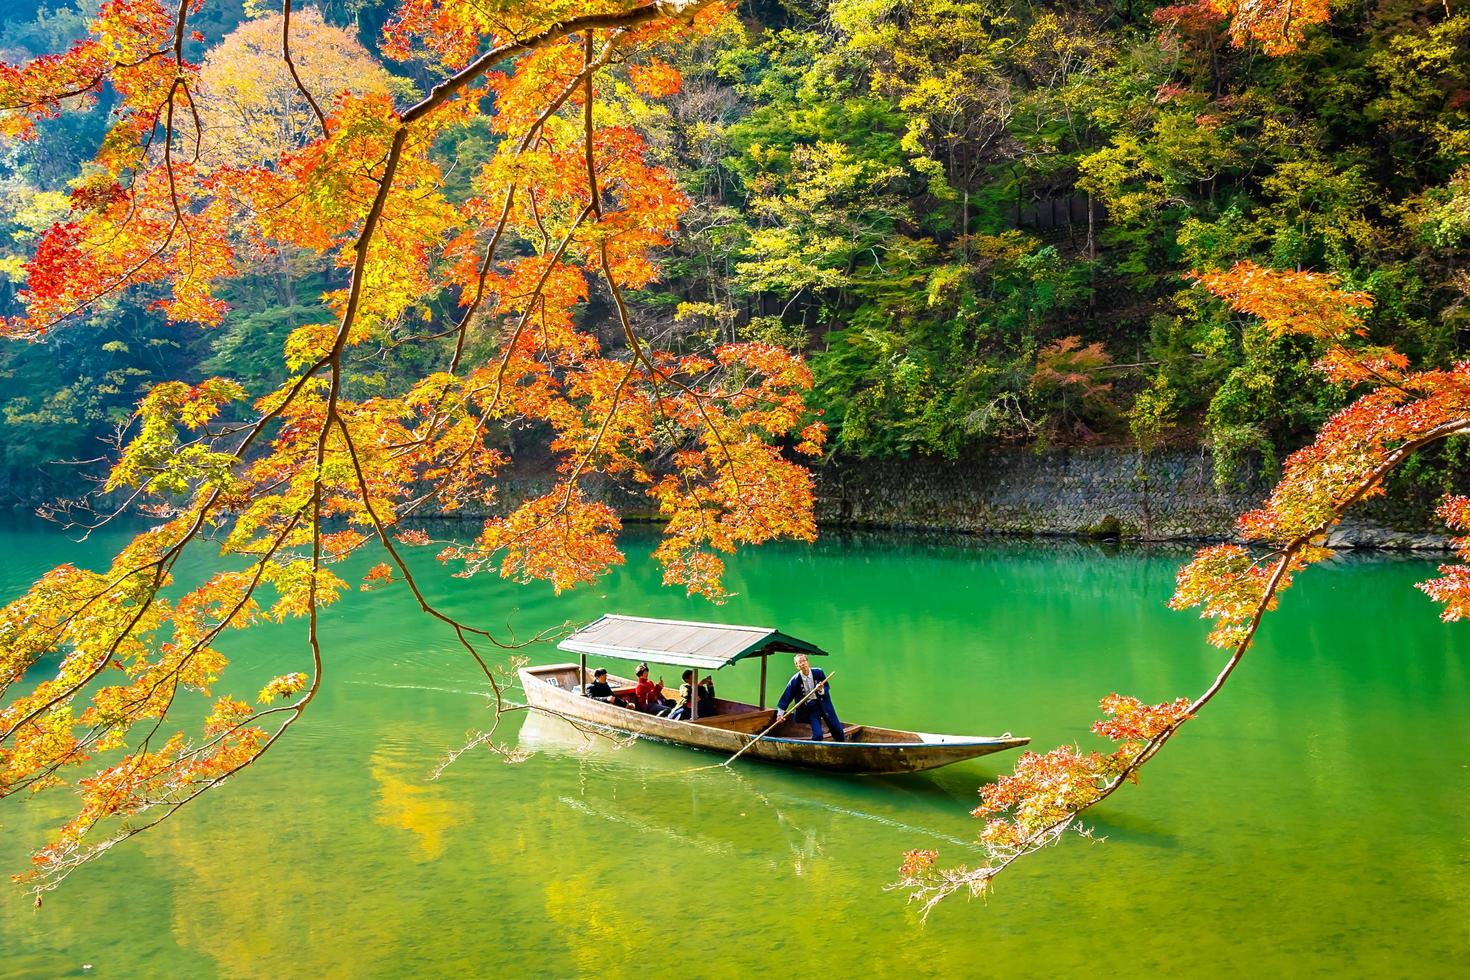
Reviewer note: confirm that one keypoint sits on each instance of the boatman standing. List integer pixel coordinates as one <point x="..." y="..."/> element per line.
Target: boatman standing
<point x="819" y="706"/>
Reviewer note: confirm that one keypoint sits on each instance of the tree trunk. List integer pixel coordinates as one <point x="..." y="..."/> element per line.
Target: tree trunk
<point x="285" y="282"/>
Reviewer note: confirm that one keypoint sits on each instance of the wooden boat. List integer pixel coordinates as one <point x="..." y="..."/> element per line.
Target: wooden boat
<point x="557" y="689"/>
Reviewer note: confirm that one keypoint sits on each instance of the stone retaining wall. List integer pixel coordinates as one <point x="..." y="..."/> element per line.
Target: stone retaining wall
<point x="1076" y="492"/>
<point x="1172" y="496"/>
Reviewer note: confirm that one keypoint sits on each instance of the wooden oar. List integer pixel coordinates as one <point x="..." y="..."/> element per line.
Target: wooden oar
<point x="782" y="717"/>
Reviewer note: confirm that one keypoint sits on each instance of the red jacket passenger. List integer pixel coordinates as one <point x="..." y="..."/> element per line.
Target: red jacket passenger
<point x="648" y="695"/>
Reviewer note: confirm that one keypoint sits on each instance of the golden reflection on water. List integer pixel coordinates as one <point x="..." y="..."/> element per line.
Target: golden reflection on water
<point x="253" y="899"/>
<point x="408" y="801"/>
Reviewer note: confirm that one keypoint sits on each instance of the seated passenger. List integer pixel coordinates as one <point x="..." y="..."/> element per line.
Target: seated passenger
<point x="681" y="705"/>
<point x="648" y="696"/>
<point x="686" y="694"/>
<point x="601" y="690"/>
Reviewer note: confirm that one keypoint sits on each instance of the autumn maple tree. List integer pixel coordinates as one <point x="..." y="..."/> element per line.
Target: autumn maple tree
<point x="250" y="106"/>
<point x="1235" y="585"/>
<point x="562" y="221"/>
<point x="1398" y="413"/>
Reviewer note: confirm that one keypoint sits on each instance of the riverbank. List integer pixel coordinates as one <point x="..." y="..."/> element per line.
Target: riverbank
<point x="1107" y="493"/>
<point x="1082" y="493"/>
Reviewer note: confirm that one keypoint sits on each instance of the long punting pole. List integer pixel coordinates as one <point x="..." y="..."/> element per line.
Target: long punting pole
<point x="782" y="717"/>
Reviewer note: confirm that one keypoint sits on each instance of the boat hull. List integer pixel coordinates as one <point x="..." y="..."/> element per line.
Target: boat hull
<point x="876" y="750"/>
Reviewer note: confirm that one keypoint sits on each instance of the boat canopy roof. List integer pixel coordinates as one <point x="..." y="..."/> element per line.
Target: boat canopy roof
<point x="682" y="644"/>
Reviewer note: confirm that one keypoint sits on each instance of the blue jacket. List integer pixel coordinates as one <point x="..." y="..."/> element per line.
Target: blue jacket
<point x="794" y="691"/>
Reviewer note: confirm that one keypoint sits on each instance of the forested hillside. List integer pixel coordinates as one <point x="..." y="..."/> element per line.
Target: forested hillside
<point x="976" y="219"/>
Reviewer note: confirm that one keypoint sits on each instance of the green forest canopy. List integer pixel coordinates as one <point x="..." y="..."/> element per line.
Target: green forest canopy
<point x="975" y="218"/>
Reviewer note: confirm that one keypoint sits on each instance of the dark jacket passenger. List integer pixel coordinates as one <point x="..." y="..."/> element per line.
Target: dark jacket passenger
<point x="600" y="691"/>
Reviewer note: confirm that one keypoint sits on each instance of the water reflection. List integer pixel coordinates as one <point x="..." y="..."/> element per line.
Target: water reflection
<point x="629" y="778"/>
<point x="408" y="801"/>
<point x="1319" y="809"/>
<point x="541" y="732"/>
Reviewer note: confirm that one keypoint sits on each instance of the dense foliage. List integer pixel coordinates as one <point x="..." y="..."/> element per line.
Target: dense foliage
<point x="937" y="197"/>
<point x="975" y="217"/>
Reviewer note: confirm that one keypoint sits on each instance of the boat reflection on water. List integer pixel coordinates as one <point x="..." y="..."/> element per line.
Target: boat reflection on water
<point x="543" y="732"/>
<point x="649" y="788"/>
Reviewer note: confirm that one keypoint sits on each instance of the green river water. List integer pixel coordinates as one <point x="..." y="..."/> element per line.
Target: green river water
<point x="1314" y="821"/>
